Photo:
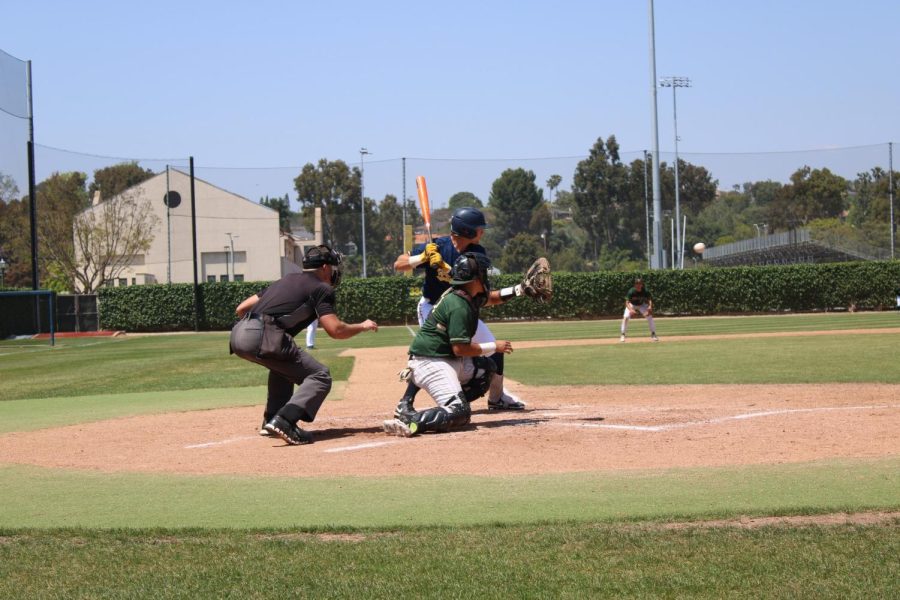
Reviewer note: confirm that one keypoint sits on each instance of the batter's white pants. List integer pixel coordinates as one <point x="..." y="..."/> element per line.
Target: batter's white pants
<point x="311" y="334"/>
<point x="442" y="378"/>
<point x="482" y="335"/>
<point x="643" y="309"/>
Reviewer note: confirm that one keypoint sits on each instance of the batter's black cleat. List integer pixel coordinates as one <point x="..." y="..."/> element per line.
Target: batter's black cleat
<point x="506" y="401"/>
<point x="405" y="410"/>
<point x="287" y="431"/>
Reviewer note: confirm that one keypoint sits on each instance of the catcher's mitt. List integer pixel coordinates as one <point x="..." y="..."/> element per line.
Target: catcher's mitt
<point x="538" y="283"/>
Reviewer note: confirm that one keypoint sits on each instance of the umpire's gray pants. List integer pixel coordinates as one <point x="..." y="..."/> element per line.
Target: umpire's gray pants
<point x="312" y="377"/>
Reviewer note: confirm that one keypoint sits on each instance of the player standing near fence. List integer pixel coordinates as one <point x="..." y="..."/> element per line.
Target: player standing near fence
<point x="638" y="301"/>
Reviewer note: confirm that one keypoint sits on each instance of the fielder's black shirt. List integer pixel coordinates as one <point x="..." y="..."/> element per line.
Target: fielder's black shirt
<point x="303" y="296"/>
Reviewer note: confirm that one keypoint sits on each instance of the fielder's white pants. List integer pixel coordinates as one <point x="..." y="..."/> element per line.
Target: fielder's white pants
<point x="644" y="309"/>
<point x="482" y="335"/>
<point x="442" y="378"/>
<point x="311" y="334"/>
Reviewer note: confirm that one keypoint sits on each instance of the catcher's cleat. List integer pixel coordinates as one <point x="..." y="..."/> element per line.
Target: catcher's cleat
<point x="288" y="432"/>
<point x="622" y="338"/>
<point x="399" y="428"/>
<point x="654" y="337"/>
<point x="506" y="402"/>
<point x="263" y="431"/>
<point x="405" y="409"/>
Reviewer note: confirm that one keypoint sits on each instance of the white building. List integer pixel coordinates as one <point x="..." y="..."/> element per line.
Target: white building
<point x="237" y="239"/>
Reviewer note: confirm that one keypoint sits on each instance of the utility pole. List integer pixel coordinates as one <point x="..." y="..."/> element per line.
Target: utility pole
<point x="362" y="203"/>
<point x="658" y="253"/>
<point x="675" y="83"/>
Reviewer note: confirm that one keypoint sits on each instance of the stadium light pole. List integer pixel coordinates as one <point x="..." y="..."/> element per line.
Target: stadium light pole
<point x="362" y="203"/>
<point x="675" y="83"/>
<point x="658" y="253"/>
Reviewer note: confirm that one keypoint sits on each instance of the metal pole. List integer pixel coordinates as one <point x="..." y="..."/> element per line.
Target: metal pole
<point x="194" y="244"/>
<point x="647" y="209"/>
<point x="32" y="185"/>
<point x="657" y="197"/>
<point x="403" y="160"/>
<point x="677" y="186"/>
<point x="683" y="233"/>
<point x="674" y="262"/>
<point x="891" y="191"/>
<point x="362" y="204"/>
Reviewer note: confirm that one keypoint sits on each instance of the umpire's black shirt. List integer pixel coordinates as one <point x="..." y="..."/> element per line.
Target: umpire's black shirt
<point x="302" y="295"/>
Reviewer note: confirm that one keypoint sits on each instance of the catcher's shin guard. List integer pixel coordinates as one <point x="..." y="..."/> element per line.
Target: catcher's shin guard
<point x="441" y="418"/>
<point x="480" y="382"/>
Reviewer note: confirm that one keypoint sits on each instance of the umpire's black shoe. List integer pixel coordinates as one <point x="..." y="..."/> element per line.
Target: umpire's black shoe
<point x="405" y="410"/>
<point x="288" y="432"/>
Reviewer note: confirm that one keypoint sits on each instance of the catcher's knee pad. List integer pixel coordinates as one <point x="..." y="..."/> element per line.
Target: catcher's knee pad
<point x="480" y="382"/>
<point x="442" y="418"/>
<point x="497" y="357"/>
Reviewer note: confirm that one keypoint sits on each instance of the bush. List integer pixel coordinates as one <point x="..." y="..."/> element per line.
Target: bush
<point x="392" y="300"/>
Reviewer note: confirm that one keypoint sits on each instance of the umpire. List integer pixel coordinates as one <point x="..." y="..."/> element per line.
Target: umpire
<point x="265" y="334"/>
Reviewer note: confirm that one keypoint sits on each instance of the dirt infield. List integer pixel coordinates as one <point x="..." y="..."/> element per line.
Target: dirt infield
<point x="566" y="429"/>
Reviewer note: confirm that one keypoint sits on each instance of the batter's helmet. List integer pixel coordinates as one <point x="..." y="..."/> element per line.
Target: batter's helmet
<point x="466" y="221"/>
<point x="319" y="256"/>
<point x="471" y="266"/>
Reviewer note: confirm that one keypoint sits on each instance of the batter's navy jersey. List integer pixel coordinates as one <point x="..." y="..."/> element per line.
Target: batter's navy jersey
<point x="434" y="287"/>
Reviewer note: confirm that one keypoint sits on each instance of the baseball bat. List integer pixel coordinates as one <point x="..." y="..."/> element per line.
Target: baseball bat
<point x="424" y="205"/>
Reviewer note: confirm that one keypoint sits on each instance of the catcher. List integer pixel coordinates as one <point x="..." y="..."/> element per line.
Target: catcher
<point x="467" y="226"/>
<point x="638" y="301"/>
<point x="444" y="357"/>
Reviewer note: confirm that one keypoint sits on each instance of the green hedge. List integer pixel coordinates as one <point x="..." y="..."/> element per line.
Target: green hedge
<point x="392" y="300"/>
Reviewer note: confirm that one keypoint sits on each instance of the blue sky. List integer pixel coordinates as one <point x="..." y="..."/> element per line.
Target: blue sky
<point x="252" y="86"/>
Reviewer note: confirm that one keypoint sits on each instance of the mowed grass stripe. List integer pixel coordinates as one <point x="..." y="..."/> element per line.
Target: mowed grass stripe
<point x="864" y="358"/>
<point x="545" y="561"/>
<point x="28" y="415"/>
<point x="36" y="497"/>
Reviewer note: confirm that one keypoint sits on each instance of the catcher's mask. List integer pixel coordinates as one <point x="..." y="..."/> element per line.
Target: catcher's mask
<point x="466" y="222"/>
<point x="472" y="266"/>
<point x="319" y="256"/>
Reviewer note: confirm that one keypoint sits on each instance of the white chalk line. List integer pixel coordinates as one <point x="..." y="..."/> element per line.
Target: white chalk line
<point x="360" y="446"/>
<point x="223" y="442"/>
<point x="411" y="332"/>
<point x="740" y="417"/>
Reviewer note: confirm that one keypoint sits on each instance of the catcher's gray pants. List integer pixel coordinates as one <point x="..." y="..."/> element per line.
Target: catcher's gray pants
<point x="442" y="378"/>
<point x="312" y="377"/>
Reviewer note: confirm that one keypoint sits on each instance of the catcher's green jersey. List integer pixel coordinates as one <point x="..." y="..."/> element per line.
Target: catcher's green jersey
<point x="638" y="297"/>
<point x="452" y="321"/>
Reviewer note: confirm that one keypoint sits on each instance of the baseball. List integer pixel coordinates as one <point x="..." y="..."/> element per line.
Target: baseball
<point x="699" y="247"/>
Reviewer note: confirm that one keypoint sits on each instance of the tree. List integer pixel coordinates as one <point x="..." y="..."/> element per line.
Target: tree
<point x="600" y="194"/>
<point x="461" y="199"/>
<point x="108" y="237"/>
<point x="9" y="191"/>
<point x="519" y="252"/>
<point x="553" y="182"/>
<point x="112" y="181"/>
<point x="812" y="194"/>
<point x="336" y="189"/>
<point x="283" y="206"/>
<point x="514" y="197"/>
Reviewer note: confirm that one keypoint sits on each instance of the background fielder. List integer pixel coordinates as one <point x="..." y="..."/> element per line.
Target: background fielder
<point x="638" y="301"/>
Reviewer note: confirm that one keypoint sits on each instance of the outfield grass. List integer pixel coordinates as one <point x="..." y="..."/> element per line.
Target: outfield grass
<point x="535" y="561"/>
<point x="846" y="358"/>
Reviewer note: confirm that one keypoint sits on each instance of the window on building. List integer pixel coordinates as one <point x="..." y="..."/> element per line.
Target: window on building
<point x="210" y="279"/>
<point x="123" y="281"/>
<point x="223" y="277"/>
<point x="238" y="277"/>
<point x="134" y="281"/>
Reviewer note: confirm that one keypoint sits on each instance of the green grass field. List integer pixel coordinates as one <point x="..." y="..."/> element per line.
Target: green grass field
<point x="83" y="534"/>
